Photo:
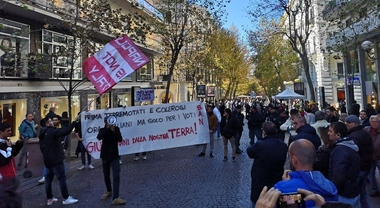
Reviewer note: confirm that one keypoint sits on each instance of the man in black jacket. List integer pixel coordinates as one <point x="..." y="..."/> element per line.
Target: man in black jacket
<point x="305" y="131"/>
<point x="255" y="121"/>
<point x="240" y="120"/>
<point x="52" y="151"/>
<point x="364" y="141"/>
<point x="111" y="136"/>
<point x="269" y="156"/>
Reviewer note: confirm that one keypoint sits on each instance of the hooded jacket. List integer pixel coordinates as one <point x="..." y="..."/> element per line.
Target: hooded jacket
<point x="364" y="142"/>
<point x="308" y="132"/>
<point x="310" y="180"/>
<point x="50" y="144"/>
<point x="344" y="167"/>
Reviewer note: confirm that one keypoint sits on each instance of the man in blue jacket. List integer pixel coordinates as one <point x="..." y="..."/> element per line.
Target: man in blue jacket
<point x="302" y="155"/>
<point x="27" y="130"/>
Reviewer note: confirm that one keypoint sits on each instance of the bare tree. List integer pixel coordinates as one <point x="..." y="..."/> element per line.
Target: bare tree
<point x="294" y="18"/>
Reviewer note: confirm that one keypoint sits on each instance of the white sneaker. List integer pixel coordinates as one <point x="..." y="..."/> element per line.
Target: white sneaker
<point x="91" y="166"/>
<point x="136" y="158"/>
<point x="120" y="162"/>
<point x="144" y="157"/>
<point x="70" y="200"/>
<point x="51" y="201"/>
<point x="80" y="168"/>
<point x="42" y="180"/>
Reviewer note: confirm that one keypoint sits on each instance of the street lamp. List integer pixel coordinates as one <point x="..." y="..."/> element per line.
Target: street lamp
<point x="368" y="47"/>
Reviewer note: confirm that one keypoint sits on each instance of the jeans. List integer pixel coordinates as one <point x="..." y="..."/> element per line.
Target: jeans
<point x="218" y="130"/>
<point x="24" y="151"/>
<point x="59" y="171"/>
<point x="83" y="154"/>
<point x="115" y="165"/>
<point x="353" y="201"/>
<point x="363" y="192"/>
<point x="372" y="175"/>
<point x="44" y="171"/>
<point x="211" y="144"/>
<point x="237" y="139"/>
<point x="225" y="143"/>
<point x="255" y="132"/>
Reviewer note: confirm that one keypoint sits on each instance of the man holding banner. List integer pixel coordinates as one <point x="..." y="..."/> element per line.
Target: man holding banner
<point x="110" y="136"/>
<point x="212" y="125"/>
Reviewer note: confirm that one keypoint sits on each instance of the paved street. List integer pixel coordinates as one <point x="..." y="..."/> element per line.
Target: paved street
<point x="168" y="178"/>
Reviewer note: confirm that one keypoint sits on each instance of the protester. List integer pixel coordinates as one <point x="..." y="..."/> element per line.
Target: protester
<point x="239" y="129"/>
<point x="330" y="115"/>
<point x="302" y="156"/>
<point x="309" y="116"/>
<point x="305" y="131"/>
<point x="229" y="127"/>
<point x="268" y="199"/>
<point x="374" y="131"/>
<point x="287" y="127"/>
<point x="364" y="119"/>
<point x="269" y="156"/>
<point x="355" y="108"/>
<point x="52" y="151"/>
<point x="8" y="152"/>
<point x="213" y="126"/>
<point x="219" y="116"/>
<point x="364" y="141"/>
<point x="27" y="130"/>
<point x="279" y="121"/>
<point x="110" y="136"/>
<point x="82" y="149"/>
<point x="320" y="121"/>
<point x="344" y="165"/>
<point x="255" y="121"/>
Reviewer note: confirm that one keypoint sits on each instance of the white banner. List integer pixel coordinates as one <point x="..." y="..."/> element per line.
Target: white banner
<point x="150" y="127"/>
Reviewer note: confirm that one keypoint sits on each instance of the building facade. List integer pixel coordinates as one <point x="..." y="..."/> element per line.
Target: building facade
<point x="32" y="79"/>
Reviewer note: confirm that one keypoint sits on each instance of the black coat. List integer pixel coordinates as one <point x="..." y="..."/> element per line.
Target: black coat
<point x="308" y="132"/>
<point x="240" y="120"/>
<point x="110" y="143"/>
<point x="51" y="146"/>
<point x="255" y="120"/>
<point x="228" y="127"/>
<point x="269" y="156"/>
<point x="364" y="141"/>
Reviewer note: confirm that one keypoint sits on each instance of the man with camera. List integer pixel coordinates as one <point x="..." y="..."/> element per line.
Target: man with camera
<point x="111" y="136"/>
<point x="302" y="156"/>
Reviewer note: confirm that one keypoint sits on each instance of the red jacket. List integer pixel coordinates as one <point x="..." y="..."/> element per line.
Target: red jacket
<point x="7" y="161"/>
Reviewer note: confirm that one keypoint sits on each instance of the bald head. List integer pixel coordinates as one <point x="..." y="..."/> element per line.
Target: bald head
<point x="304" y="151"/>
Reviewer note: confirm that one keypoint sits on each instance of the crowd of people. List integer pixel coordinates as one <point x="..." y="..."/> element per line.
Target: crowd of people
<point x="332" y="153"/>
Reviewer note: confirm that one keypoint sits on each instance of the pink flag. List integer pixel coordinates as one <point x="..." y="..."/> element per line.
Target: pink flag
<point x="114" y="62"/>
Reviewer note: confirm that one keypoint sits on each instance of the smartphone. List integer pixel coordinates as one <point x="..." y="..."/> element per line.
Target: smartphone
<point x="290" y="200"/>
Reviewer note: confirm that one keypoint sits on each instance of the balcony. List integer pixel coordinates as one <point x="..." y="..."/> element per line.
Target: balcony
<point x="148" y="8"/>
<point x="339" y="9"/>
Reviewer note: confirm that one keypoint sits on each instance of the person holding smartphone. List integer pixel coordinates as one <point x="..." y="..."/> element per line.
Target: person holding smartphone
<point x="302" y="155"/>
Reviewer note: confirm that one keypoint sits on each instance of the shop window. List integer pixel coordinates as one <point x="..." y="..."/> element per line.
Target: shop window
<point x="60" y="105"/>
<point x="96" y="102"/>
<point x="124" y="99"/>
<point x="14" y="47"/>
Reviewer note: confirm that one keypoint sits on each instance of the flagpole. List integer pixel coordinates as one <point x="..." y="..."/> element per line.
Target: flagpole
<point x="89" y="104"/>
